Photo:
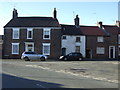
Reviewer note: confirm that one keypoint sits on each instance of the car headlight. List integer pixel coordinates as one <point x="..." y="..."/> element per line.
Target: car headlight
<point x="45" y="57"/>
<point x="61" y="57"/>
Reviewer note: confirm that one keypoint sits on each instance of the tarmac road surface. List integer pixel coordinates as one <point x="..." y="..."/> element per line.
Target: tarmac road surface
<point x="16" y="74"/>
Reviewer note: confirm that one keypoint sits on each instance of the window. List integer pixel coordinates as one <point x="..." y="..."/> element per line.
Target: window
<point x="100" y="50"/>
<point x="15" y="33"/>
<point x="100" y="39"/>
<point x="46" y="33"/>
<point x="119" y="39"/>
<point x="77" y="39"/>
<point x="15" y="48"/>
<point x="64" y="37"/>
<point x="29" y="33"/>
<point x="77" y="49"/>
<point x="46" y="48"/>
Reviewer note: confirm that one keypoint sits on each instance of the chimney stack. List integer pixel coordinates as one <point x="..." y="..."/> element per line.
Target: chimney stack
<point x="118" y="23"/>
<point x="100" y="24"/>
<point x="76" y="21"/>
<point x="15" y="14"/>
<point x="55" y="13"/>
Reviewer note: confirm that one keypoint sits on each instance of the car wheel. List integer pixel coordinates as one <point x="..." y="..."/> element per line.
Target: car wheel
<point x="26" y="59"/>
<point x="42" y="59"/>
<point x="65" y="59"/>
<point x="79" y="59"/>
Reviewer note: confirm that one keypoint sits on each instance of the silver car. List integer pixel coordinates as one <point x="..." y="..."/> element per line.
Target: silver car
<point x="27" y="56"/>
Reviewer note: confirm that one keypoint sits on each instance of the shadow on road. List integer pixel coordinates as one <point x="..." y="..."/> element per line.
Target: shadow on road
<point x="9" y="81"/>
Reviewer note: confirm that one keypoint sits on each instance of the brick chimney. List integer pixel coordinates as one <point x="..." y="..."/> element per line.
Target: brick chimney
<point x="15" y="14"/>
<point x="55" y="13"/>
<point x="117" y="23"/>
<point x="76" y="20"/>
<point x="100" y="25"/>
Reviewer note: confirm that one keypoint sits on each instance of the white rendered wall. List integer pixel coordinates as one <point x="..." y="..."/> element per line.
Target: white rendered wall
<point x="70" y="43"/>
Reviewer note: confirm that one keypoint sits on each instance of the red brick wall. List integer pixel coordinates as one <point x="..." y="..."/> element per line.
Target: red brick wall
<point x="37" y="39"/>
<point x="91" y="43"/>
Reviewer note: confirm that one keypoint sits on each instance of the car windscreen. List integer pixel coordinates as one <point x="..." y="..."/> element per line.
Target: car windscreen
<point x="30" y="53"/>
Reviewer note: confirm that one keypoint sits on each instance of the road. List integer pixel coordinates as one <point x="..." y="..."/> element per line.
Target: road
<point x="16" y="74"/>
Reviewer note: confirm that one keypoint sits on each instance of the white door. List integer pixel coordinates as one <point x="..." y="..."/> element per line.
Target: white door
<point x="29" y="46"/>
<point x="111" y="51"/>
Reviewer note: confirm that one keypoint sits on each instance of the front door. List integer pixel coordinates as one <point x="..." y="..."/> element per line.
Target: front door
<point x="111" y="51"/>
<point x="88" y="53"/>
<point x="63" y="51"/>
<point x="29" y="46"/>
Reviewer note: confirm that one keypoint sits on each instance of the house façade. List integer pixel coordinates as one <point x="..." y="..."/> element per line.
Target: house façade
<point x="39" y="34"/>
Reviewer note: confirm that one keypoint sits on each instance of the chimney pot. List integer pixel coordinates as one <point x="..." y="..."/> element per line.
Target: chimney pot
<point x="99" y="24"/>
<point x="55" y="13"/>
<point x="76" y="21"/>
<point x="15" y="14"/>
<point x="118" y="23"/>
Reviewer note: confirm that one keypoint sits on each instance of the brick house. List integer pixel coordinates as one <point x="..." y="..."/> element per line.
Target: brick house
<point x="118" y="25"/>
<point x="39" y="34"/>
<point x="101" y="41"/>
<point x="112" y="41"/>
<point x="95" y="42"/>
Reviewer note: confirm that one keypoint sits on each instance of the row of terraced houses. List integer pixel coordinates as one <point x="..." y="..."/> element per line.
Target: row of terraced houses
<point x="45" y="35"/>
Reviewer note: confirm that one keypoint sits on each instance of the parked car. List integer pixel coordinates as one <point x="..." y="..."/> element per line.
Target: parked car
<point x="27" y="56"/>
<point x="72" y="56"/>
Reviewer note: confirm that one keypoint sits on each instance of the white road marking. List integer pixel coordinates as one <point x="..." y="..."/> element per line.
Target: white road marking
<point x="67" y="72"/>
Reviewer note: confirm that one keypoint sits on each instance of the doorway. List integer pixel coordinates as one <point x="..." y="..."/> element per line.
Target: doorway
<point x="111" y="51"/>
<point x="63" y="51"/>
<point x="29" y="46"/>
<point x="88" y="53"/>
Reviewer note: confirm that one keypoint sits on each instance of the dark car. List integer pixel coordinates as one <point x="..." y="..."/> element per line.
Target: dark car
<point x="72" y="56"/>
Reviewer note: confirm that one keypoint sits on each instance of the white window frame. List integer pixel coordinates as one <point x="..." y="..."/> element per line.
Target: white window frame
<point x="118" y="38"/>
<point x="100" y="50"/>
<point x="13" y="48"/>
<point x="46" y="30"/>
<point x="76" y="49"/>
<point x="29" y="29"/>
<point x="46" y="44"/>
<point x="13" y="34"/>
<point x="100" y="39"/>
<point x="79" y="38"/>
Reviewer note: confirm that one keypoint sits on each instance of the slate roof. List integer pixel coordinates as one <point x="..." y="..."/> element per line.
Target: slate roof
<point x="111" y="29"/>
<point x="33" y="22"/>
<point x="92" y="30"/>
<point x="82" y="30"/>
<point x="70" y="30"/>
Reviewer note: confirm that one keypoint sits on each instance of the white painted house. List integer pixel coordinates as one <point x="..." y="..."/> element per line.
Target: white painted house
<point x="73" y="40"/>
<point x="73" y="43"/>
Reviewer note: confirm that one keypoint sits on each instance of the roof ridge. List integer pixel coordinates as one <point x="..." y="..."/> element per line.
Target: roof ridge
<point x="33" y="16"/>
